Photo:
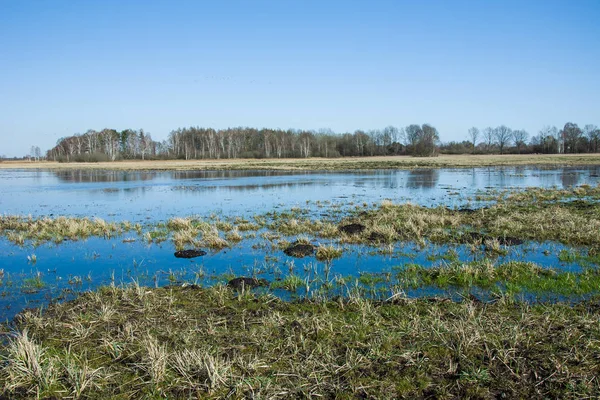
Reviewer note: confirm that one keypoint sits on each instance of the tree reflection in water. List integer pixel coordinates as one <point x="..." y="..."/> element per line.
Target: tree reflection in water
<point x="423" y="178"/>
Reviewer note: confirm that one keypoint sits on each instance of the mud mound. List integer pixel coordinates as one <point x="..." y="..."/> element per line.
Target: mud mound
<point x="352" y="229"/>
<point x="246" y="283"/>
<point x="510" y="241"/>
<point x="300" y="250"/>
<point x="377" y="237"/>
<point x="189" y="253"/>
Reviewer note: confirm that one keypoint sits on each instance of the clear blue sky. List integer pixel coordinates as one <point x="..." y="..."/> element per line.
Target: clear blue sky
<point x="67" y="66"/>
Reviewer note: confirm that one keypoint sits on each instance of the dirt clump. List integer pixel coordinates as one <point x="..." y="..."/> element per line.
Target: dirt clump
<point x="300" y="250"/>
<point x="352" y="229"/>
<point x="246" y="283"/>
<point x="190" y="253"/>
<point x="377" y="237"/>
<point x="510" y="241"/>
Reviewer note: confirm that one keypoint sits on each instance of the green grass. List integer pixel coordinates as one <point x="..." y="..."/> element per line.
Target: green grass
<point x="291" y="283"/>
<point x="175" y="342"/>
<point x="590" y="258"/>
<point x="508" y="278"/>
<point x="33" y="284"/>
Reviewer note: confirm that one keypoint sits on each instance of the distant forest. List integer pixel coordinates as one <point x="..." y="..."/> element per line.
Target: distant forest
<point x="416" y="140"/>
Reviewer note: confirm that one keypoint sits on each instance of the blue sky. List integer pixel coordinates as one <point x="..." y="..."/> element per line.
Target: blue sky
<point x="68" y="66"/>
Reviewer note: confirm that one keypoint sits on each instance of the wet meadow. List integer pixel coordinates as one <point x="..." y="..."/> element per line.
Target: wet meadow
<point x="383" y="283"/>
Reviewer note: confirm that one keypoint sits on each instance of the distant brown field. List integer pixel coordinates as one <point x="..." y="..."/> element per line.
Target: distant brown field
<point x="385" y="162"/>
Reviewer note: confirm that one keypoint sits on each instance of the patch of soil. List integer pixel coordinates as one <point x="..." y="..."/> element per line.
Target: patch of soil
<point x="246" y="283"/>
<point x="191" y="253"/>
<point x="352" y="229"/>
<point x="467" y="210"/>
<point x="377" y="237"/>
<point x="510" y="241"/>
<point x="474" y="298"/>
<point x="300" y="250"/>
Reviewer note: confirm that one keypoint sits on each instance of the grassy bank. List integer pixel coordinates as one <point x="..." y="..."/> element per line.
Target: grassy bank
<point x="391" y="162"/>
<point x="182" y="342"/>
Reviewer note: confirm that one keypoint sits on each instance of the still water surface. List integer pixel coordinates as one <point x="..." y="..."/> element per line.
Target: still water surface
<point x="149" y="196"/>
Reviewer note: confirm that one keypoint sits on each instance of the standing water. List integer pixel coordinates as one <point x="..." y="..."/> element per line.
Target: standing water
<point x="139" y="196"/>
<point x="33" y="274"/>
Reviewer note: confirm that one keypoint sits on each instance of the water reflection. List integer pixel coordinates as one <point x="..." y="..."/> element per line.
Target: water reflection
<point x="418" y="178"/>
<point x="163" y="194"/>
<point x="245" y="188"/>
<point x="92" y="176"/>
<point x="121" y="190"/>
<point x="423" y="178"/>
<point x="569" y="178"/>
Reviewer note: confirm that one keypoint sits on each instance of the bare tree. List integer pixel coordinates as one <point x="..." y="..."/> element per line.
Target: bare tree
<point x="549" y="139"/>
<point x="423" y="140"/>
<point x="474" y="135"/>
<point x="413" y="133"/>
<point x="35" y="153"/>
<point x="592" y="133"/>
<point x="488" y="136"/>
<point x="146" y="144"/>
<point x="571" y="135"/>
<point x="520" y="137"/>
<point x="502" y="135"/>
<point x="197" y="142"/>
<point x="390" y="135"/>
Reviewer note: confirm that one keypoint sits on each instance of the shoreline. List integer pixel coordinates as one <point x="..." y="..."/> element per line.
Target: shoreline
<point x="316" y="164"/>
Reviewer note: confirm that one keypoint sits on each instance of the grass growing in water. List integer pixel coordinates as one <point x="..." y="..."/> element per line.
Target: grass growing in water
<point x="33" y="284"/>
<point x="571" y="217"/>
<point x="509" y="278"/>
<point x="328" y="253"/>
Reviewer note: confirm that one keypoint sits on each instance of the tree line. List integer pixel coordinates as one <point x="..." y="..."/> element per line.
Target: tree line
<point x="243" y="142"/>
<point x="549" y="140"/>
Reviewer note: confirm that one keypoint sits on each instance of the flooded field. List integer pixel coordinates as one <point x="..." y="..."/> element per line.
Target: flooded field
<point x="140" y="196"/>
<point x="246" y="220"/>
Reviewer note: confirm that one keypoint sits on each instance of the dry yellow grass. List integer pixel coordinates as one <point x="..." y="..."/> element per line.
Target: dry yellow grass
<point x="393" y="162"/>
